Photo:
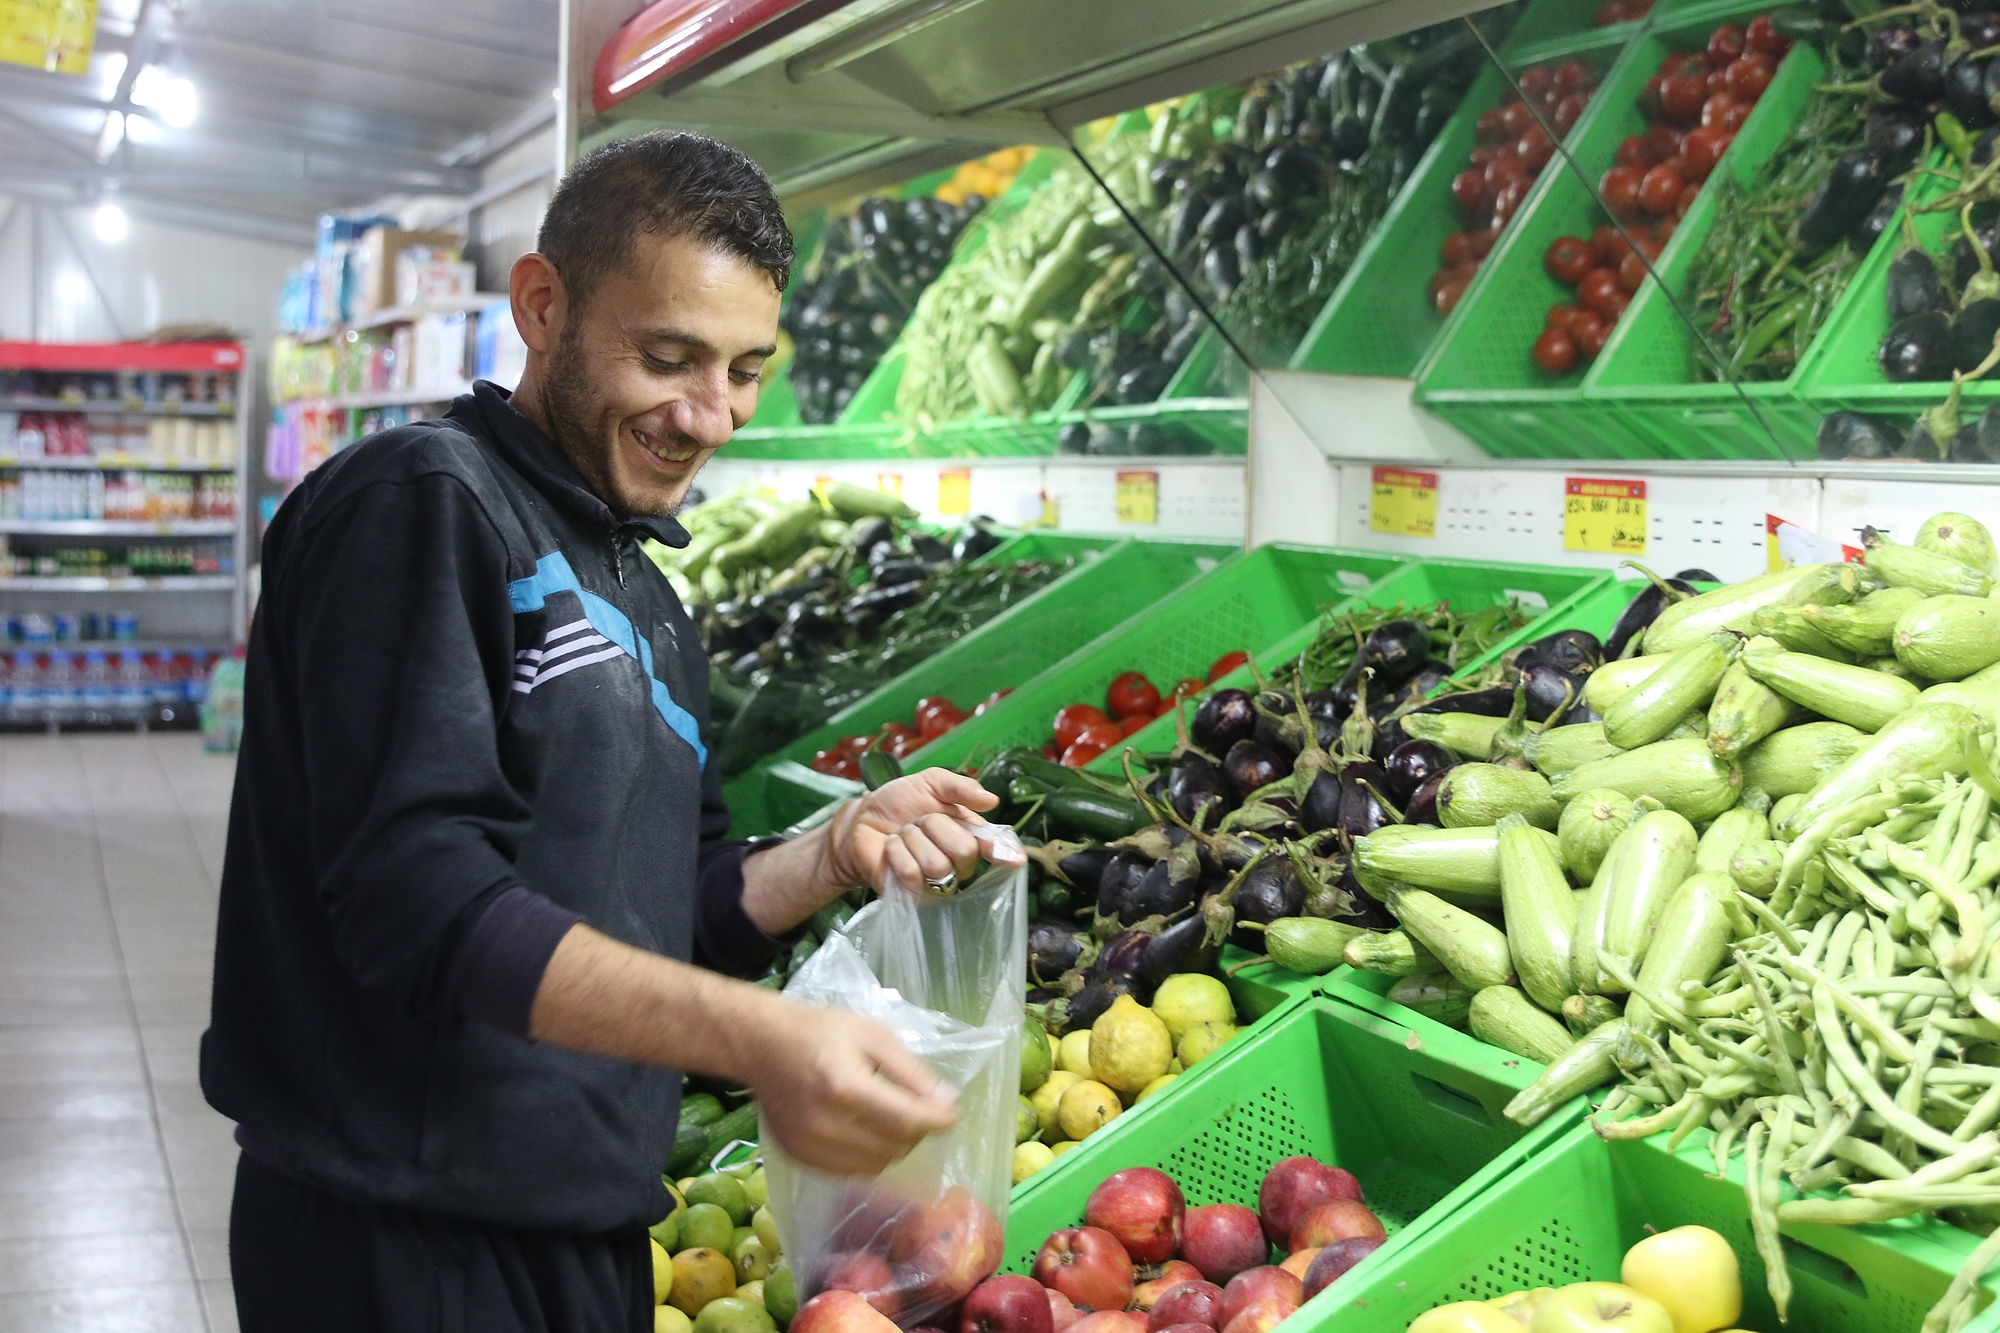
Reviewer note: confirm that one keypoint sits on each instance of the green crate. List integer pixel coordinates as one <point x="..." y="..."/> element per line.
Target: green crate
<point x="1479" y="375"/>
<point x="1320" y="1079"/>
<point x="1113" y="580"/>
<point x="1572" y="1210"/>
<point x="1557" y="29"/>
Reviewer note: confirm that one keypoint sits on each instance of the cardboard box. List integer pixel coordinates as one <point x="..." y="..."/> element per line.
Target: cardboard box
<point x="380" y="249"/>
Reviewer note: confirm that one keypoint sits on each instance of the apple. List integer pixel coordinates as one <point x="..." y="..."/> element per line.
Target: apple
<point x="1692" y="1272"/>
<point x="867" y="1276"/>
<point x="1462" y="1317"/>
<point x="1333" y="1262"/>
<point x="1298" y="1261"/>
<point x="1012" y="1304"/>
<point x="1143" y="1208"/>
<point x="1260" y="1316"/>
<point x="840" y="1312"/>
<point x="1522" y="1304"/>
<point x="1294" y="1187"/>
<point x="1265" y="1282"/>
<point x="1088" y="1265"/>
<point x="1598" y="1307"/>
<point x="945" y="1249"/>
<point x="1196" y="1302"/>
<point x="1223" y="1239"/>
<point x="1110" y="1321"/>
<point x="1061" y="1312"/>
<point x="1328" y="1222"/>
<point x="868" y="1216"/>
<point x="1185" y="1328"/>
<point x="1173" y="1273"/>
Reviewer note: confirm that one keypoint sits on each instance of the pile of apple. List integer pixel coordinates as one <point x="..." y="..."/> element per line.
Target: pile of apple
<point x="1680" y="1281"/>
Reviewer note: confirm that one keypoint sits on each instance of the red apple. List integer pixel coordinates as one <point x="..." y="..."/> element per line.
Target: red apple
<point x="1110" y="1321"/>
<point x="1297" y="1262"/>
<point x="1143" y="1208"/>
<point x="1333" y="1261"/>
<point x="1223" y="1239"/>
<point x="1012" y="1304"/>
<point x="1267" y="1282"/>
<point x="1173" y="1273"/>
<point x="1294" y="1187"/>
<point x="1061" y="1312"/>
<point x="946" y="1249"/>
<point x="869" y="1216"/>
<point x="840" y="1312"/>
<point x="867" y="1276"/>
<point x="1189" y="1303"/>
<point x="1185" y="1328"/>
<point x="1088" y="1265"/>
<point x="1329" y="1222"/>
<point x="1260" y="1316"/>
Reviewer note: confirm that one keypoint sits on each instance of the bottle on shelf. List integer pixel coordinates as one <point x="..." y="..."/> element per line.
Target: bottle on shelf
<point x="59" y="691"/>
<point x="93" y="691"/>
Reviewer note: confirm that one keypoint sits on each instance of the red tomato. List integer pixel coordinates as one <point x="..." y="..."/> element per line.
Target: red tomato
<point x="1636" y="151"/>
<point x="1562" y="316"/>
<point x="888" y="731"/>
<point x="1187" y="687"/>
<point x="1507" y="201"/>
<point x="1589" y="331"/>
<point x="1632" y="272"/>
<point x="1457" y="249"/>
<point x="1131" y="694"/>
<point x="1682" y="62"/>
<point x="1716" y="81"/>
<point x="849" y="768"/>
<point x="1081" y="753"/>
<point x="1469" y="188"/>
<point x="1619" y="189"/>
<point x="1483" y="153"/>
<point x="1724" y="45"/>
<point x="1609" y="245"/>
<point x="990" y="700"/>
<point x="902" y="747"/>
<point x="1701" y="150"/>
<point x="1133" y="725"/>
<point x="1666" y="140"/>
<point x="1748" y="76"/>
<point x="1649" y="96"/>
<point x="1682" y="95"/>
<point x="1760" y="36"/>
<point x="1447" y="294"/>
<point x="823" y="761"/>
<point x="1568" y="112"/>
<point x="1599" y="291"/>
<point x="1071" y="721"/>
<point x="1536" y="81"/>
<point x="939" y="720"/>
<point x="1663" y="230"/>
<point x="1535" y="148"/>
<point x="1516" y="117"/>
<point x="853" y="744"/>
<point x="1491" y="126"/>
<point x="1715" y="108"/>
<point x="1555" y="353"/>
<point x="1574" y="76"/>
<point x="1567" y="259"/>
<point x="1482" y="243"/>
<point x="1225" y="664"/>
<point x="1660" y="188"/>
<point x="1610" y="13"/>
<point x="1686" y="201"/>
<point x="1733" y="121"/>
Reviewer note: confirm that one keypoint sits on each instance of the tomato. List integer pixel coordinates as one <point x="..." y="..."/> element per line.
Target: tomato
<point x="1660" y="188"/>
<point x="902" y="747"/>
<point x="1739" y="113"/>
<point x="1133" y="725"/>
<point x="1457" y="249"/>
<point x="1715" y="109"/>
<point x="1071" y="721"/>
<point x="1446" y="296"/>
<point x="1516" y="117"/>
<point x="1482" y="242"/>
<point x="1702" y="150"/>
<point x="1225" y="664"/>
<point x="939" y="720"/>
<point x="1686" y="201"/>
<point x="989" y="701"/>
<point x="1081" y="753"/>
<point x="1682" y="95"/>
<point x="1589" y="331"/>
<point x="889" y="731"/>
<point x="1187" y="687"/>
<point x="1632" y="272"/>
<point x="1507" y="201"/>
<point x="1492" y="126"/>
<point x="1131" y="694"/>
<point x="1567" y="259"/>
<point x="1562" y="316"/>
<point x="1599" y="291"/>
<point x="1666" y="140"/>
<point x="1682" y="62"/>
<point x="1608" y="14"/>
<point x="1649" y="95"/>
<point x="1663" y="230"/>
<point x="1555" y="353"/>
<point x="1619" y="191"/>
<point x="1724" y="45"/>
<point x="1469" y="188"/>
<point x="1574" y="76"/>
<point x="1105" y="734"/>
<point x="823" y="761"/>
<point x="1536" y="81"/>
<point x="1761" y="37"/>
<point x="1636" y="151"/>
<point x="1748" y="76"/>
<point x="853" y="744"/>
<point x="849" y="768"/>
<point x="1535" y="148"/>
<point x="1716" y="81"/>
<point x="1568" y="112"/>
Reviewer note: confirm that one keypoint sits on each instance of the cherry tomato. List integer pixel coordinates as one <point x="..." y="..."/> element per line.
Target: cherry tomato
<point x="849" y="768"/>
<point x="1702" y="150"/>
<point x="1450" y="292"/>
<point x="853" y="744"/>
<point x="1733" y="120"/>
<point x="1507" y="201"/>
<point x="1660" y="188"/>
<point x="1589" y="331"/>
<point x="1686" y="201"/>
<point x="1574" y="76"/>
<point x="1619" y="190"/>
<point x="1631" y="272"/>
<point x="1469" y="188"/>
<point x="1081" y="753"/>
<point x="1133" y="725"/>
<point x="1568" y="112"/>
<point x="1682" y="62"/>
<point x="939" y="720"/>
<point x="1187" y="687"/>
<point x="902" y="747"/>
<point x="824" y="761"/>
<point x="1716" y="81"/>
<point x="1555" y="352"/>
<point x="1608" y="14"/>
<point x="1649" y="96"/>
<point x="989" y="701"/>
<point x="1131" y="694"/>
<point x="1724" y="45"/>
<point x="1536" y="81"/>
<point x="1457" y="249"/>
<point x="1535" y="148"/>
<point x="1749" y="75"/>
<point x="1599" y="291"/>
<point x="1568" y="259"/>
<point x="889" y="731"/>
<point x="1682" y="95"/>
<point x="1492" y="126"/>
<point x="1482" y="243"/>
<point x="1666" y="140"/>
<point x="1636" y="151"/>
<point x="1105" y="734"/>
<point x="1562" y="316"/>
<point x="1071" y="721"/>
<point x="1225" y="664"/>
<point x="1716" y="108"/>
<point x="1516" y="117"/>
<point x="1761" y="37"/>
<point x="1609" y="245"/>
<point x="1663" y="230"/>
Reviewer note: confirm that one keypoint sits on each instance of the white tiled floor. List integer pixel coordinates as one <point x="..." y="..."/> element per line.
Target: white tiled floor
<point x="114" y="1174"/>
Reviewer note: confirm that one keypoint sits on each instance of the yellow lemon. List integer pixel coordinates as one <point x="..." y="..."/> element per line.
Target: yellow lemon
<point x="1073" y="1053"/>
<point x="663" y="1273"/>
<point x="1047" y="1100"/>
<point x="1030" y="1158"/>
<point x="1088" y="1107"/>
<point x="1157" y="1085"/>
<point x="1129" y="1046"/>
<point x="1190" y="998"/>
<point x="1203" y="1040"/>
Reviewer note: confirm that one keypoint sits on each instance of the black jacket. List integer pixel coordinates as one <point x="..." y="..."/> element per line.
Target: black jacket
<point x="464" y="681"/>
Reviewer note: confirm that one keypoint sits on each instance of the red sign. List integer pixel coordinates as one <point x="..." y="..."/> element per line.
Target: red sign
<point x="668" y="36"/>
<point x="194" y="358"/>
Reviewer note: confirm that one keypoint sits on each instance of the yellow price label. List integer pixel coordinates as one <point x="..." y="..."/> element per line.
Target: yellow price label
<point x="1139" y="497"/>
<point x="890" y="483"/>
<point x="955" y="491"/>
<point x="1403" y="502"/>
<point x="55" y="36"/>
<point x="1605" y="516"/>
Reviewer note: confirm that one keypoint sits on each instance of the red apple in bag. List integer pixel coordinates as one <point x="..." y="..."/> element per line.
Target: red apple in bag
<point x="1088" y="1265"/>
<point x="840" y="1312"/>
<point x="944" y="1250"/>
<point x="1189" y="1303"/>
<point x="1011" y="1304"/>
<point x="1223" y="1239"/>
<point x="1143" y="1209"/>
<point x="1294" y="1187"/>
<point x="1173" y="1273"/>
<point x="867" y="1276"/>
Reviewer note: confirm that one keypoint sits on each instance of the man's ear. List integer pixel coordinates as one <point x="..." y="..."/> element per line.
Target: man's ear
<point x="539" y="300"/>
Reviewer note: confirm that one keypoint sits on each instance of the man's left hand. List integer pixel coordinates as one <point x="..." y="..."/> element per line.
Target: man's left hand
<point x="918" y="828"/>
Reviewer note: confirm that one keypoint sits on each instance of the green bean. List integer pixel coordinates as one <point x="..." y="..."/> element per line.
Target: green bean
<point x="1787" y="1072"/>
<point x="1725" y="1137"/>
<point x="1863" y="1013"/>
<point x="1870" y="1157"/>
<point x="1760" y="1186"/>
<point x="1843" y="1055"/>
<point x="1842" y="1212"/>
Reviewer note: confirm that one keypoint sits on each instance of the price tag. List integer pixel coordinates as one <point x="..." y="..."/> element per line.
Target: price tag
<point x="890" y="483"/>
<point x="1139" y="497"/>
<point x="955" y="491"/>
<point x="1605" y="516"/>
<point x="1403" y="502"/>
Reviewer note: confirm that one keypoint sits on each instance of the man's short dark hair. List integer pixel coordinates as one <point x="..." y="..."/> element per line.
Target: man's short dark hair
<point x="671" y="184"/>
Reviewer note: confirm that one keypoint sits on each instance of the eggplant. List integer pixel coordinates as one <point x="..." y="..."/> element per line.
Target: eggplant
<point x="1187" y="222"/>
<point x="1222" y="719"/>
<point x="1640" y="613"/>
<point x="1965" y="94"/>
<point x="1394" y="651"/>
<point x="1965" y="255"/>
<point x="1043" y="995"/>
<point x="1363" y="908"/>
<point x="1411" y="764"/>
<point x="1921" y="446"/>
<point x="1249" y="249"/>
<point x="1221" y="220"/>
<point x="1321" y="808"/>
<point x="1161" y="891"/>
<point x="1088" y="1005"/>
<point x="896" y="573"/>
<point x="1298" y="171"/>
<point x="1694" y="575"/>
<point x="1917" y="349"/>
<point x="1276" y="225"/>
<point x="1980" y="28"/>
<point x="1085" y="868"/>
<point x="1271" y="890"/>
<point x="1389" y="737"/>
<point x="1422" y="807"/>
<point x="1895" y="137"/>
<point x="1120" y="955"/>
<point x="1973" y="332"/>
<point x="1347" y="138"/>
<point x="1968" y="446"/>
<point x="1869" y="230"/>
<point x="1486" y="703"/>
<point x="1197" y="790"/>
<point x="1181" y="947"/>
<point x="1218" y="266"/>
<point x="1249" y="765"/>
<point x="1913" y="286"/>
<point x="1887" y="45"/>
<point x="1053" y="948"/>
<point x="974" y="540"/>
<point x="1916" y="78"/>
<point x="1120" y="872"/>
<point x="868" y="534"/>
<point x="1550" y="690"/>
<point x="1842" y="198"/>
<point x="1576" y="651"/>
<point x="1361" y="812"/>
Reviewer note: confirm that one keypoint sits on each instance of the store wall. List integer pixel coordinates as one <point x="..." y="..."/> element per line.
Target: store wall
<point x="72" y="287"/>
<point x="504" y="229"/>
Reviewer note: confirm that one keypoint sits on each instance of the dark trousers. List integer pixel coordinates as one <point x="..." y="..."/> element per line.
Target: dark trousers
<point x="304" y="1261"/>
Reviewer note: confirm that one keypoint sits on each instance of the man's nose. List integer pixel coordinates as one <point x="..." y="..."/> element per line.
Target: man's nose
<point x="703" y="416"/>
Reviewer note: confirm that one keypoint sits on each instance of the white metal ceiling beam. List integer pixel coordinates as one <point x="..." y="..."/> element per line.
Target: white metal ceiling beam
<point x="709" y="111"/>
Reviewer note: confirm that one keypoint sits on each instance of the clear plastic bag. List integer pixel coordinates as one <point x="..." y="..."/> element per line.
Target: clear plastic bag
<point x="944" y="973"/>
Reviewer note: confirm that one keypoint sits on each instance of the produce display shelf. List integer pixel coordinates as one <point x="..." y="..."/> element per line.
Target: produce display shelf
<point x="1479" y="375"/>
<point x="1557" y="29"/>
<point x="1318" y="1078"/>
<point x="1114" y="579"/>
<point x="1572" y="1209"/>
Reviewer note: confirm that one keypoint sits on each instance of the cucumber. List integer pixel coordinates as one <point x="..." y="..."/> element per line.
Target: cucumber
<point x="1540" y="912"/>
<point x="1559" y="749"/>
<point x="1392" y="953"/>
<point x="1926" y="742"/>
<point x="1584" y="1014"/>
<point x="1466" y="735"/>
<point x="703" y="1108"/>
<point x="1681" y="774"/>
<point x="1614" y="680"/>
<point x="1308" y="945"/>
<point x="1719" y="841"/>
<point x="1732" y="607"/>
<point x="739" y="1126"/>
<point x="1653" y="856"/>
<point x="1851" y="694"/>
<point x="1462" y="861"/>
<point x="1477" y="795"/>
<point x="1796" y="633"/>
<point x="1949" y="637"/>
<point x="1795" y="759"/>
<point x="1470" y="949"/>
<point x="1962" y="538"/>
<point x="1590" y="824"/>
<point x="690" y="1150"/>
<point x="1576" y="1071"/>
<point x="1438" y="996"/>
<point x="1505" y="1017"/>
<point x="1928" y="572"/>
<point x="1096" y="814"/>
<point x="1690" y="940"/>
<point x="1660" y="701"/>
<point x="878" y="768"/>
<point x="1866" y="628"/>
<point x="1755" y="866"/>
<point x="1745" y="711"/>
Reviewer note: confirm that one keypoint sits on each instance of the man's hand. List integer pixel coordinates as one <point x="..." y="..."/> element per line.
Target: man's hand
<point x="843" y="1095"/>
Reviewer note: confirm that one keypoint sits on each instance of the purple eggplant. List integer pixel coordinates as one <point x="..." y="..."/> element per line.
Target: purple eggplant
<point x="1486" y="703"/>
<point x="1181" y="947"/>
<point x="1363" y="908"/>
<point x="1321" y="809"/>
<point x="1086" y="867"/>
<point x="1271" y="890"/>
<point x="1412" y="762"/>
<point x="1361" y="813"/>
<point x="1053" y="949"/>
<point x="1249" y="765"/>
<point x="1120" y="872"/>
<point x="1088" y="1005"/>
<point x="1160" y="892"/>
<point x="1639" y="613"/>
<point x="1550" y="690"/>
<point x="1197" y="790"/>
<point x="1395" y="652"/>
<point x="1422" y="807"/>
<point x="1322" y="706"/>
<point x="1224" y="718"/>
<point x="1120" y="955"/>
<point x="1577" y="651"/>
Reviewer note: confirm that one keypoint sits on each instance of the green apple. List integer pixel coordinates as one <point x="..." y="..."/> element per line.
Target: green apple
<point x="1600" y="1307"/>
<point x="1522" y="1304"/>
<point x="1465" y="1317"/>
<point x="1693" y="1273"/>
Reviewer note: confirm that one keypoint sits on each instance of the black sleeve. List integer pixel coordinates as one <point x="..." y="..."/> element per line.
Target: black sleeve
<point x="726" y="940"/>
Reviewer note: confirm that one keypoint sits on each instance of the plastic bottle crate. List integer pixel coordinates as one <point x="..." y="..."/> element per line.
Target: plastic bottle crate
<point x="1480" y="375"/>
<point x="1113" y="580"/>
<point x="1321" y="1079"/>
<point x="1569" y="1213"/>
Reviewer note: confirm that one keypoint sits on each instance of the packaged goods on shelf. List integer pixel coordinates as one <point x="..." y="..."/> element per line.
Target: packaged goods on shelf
<point x="134" y="389"/>
<point x="41" y="496"/>
<point x="97" y="688"/>
<point x="139" y="559"/>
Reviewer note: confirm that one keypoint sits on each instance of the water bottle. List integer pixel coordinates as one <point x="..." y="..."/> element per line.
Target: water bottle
<point x="59" y="693"/>
<point x="194" y="685"/>
<point x="24" y="709"/>
<point x="93" y="691"/>
<point x="167" y="702"/>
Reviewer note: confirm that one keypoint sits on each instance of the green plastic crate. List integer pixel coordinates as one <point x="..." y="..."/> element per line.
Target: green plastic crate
<point x="1557" y="29"/>
<point x="1572" y="1210"/>
<point x="1320" y="1079"/>
<point x="1113" y="580"/>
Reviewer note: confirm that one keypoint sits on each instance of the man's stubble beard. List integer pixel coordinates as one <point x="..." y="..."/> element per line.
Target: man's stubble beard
<point x="566" y="400"/>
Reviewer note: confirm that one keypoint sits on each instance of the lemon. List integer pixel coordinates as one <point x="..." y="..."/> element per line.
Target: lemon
<point x="1030" y="1158"/>
<point x="752" y="1292"/>
<point x="738" y="1236"/>
<point x="1129" y="1047"/>
<point x="725" y="1192"/>
<point x="1058" y="1149"/>
<point x="753" y="1261"/>
<point x="1190" y="998"/>
<point x="1074" y="1053"/>
<point x="757" y="1188"/>
<point x="1055" y="1045"/>
<point x="781" y="1296"/>
<point x="1027" y="1122"/>
<point x="663" y="1273"/>
<point x="766" y="1227"/>
<point x="1048" y="1099"/>
<point x="1157" y="1085"/>
<point x="1088" y="1107"/>
<point x="1203" y="1040"/>
<point x="666" y="1232"/>
<point x="730" y="1314"/>
<point x="1037" y="1056"/>
<point x="705" y="1226"/>
<point x="666" y="1319"/>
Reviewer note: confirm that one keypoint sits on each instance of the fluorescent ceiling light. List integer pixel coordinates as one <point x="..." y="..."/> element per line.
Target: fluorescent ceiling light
<point x="111" y="135"/>
<point x="142" y="129"/>
<point x="71" y="288"/>
<point x="171" y="95"/>
<point x="109" y="222"/>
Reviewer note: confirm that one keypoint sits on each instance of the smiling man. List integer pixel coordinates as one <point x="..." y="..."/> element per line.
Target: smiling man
<point x="477" y="900"/>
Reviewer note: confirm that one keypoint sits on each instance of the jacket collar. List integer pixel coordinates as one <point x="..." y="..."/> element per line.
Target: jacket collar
<point x="489" y="413"/>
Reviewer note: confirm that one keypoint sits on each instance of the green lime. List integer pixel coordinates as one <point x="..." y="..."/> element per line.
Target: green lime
<point x="741" y="1171"/>
<point x="667" y="1231"/>
<point x="725" y="1192"/>
<point x="706" y="1226"/>
<point x="1036" y="1057"/>
<point x="753" y="1261"/>
<point x="758" y="1186"/>
<point x="666" y="1319"/>
<point x="766" y="1227"/>
<point x="731" y="1315"/>
<point x="1026" y="1123"/>
<point x="738" y="1236"/>
<point x="781" y="1296"/>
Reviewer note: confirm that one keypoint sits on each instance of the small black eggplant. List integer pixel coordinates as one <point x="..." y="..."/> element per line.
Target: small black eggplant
<point x="1085" y="867"/>
<point x="1423" y="803"/>
<point x="1395" y="652"/>
<point x="1223" y="718"/>
<point x="1197" y="790"/>
<point x="1916" y="79"/>
<point x="1887" y="45"/>
<point x="1843" y="197"/>
<point x="1053" y="949"/>
<point x="1869" y="230"/>
<point x="1321" y="808"/>
<point x="1973" y="332"/>
<point x="1088" y="1005"/>
<point x="1576" y="651"/>
<point x="1486" y="703"/>
<point x="1181" y="947"/>
<point x="1361" y="812"/>
<point x="1895" y="137"/>
<point x="1980" y="28"/>
<point x="1249" y="765"/>
<point x="1120" y="955"/>
<point x="1158" y="892"/>
<point x="1550" y="690"/>
<point x="1918" y="349"/>
<point x="1363" y="908"/>
<point x="1411" y="764"/>
<point x="1987" y="428"/>
<point x="1913" y="286"/>
<point x="1123" y="870"/>
<point x="1965" y="93"/>
<point x="1271" y="890"/>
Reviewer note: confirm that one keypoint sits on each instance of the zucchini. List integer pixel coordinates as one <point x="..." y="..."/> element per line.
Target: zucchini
<point x="1466" y="735"/>
<point x="1477" y="795"/>
<point x="1690" y="676"/>
<point x="1392" y="953"/>
<point x="1732" y="607"/>
<point x="1462" y="861"/>
<point x="1690" y="940"/>
<point x="1755" y="866"/>
<point x="1438" y="996"/>
<point x="1719" y="841"/>
<point x="1505" y="1017"/>
<point x="1866" y="627"/>
<point x="1559" y="749"/>
<point x="1540" y="912"/>
<point x="1924" y="743"/>
<point x="1960" y="537"/>
<point x="1795" y="633"/>
<point x="1614" y="680"/>
<point x="1781" y="814"/>
<point x="853" y="503"/>
<point x="1651" y="859"/>
<point x="1470" y="949"/>
<point x="1795" y="759"/>
<point x="1308" y="945"/>
<point x="1590" y="824"/>
<point x="1949" y="637"/>
<point x="1683" y="775"/>
<point x="703" y="1108"/>
<point x="1745" y="711"/>
<point x="1097" y="814"/>
<point x="1851" y="694"/>
<point x="1576" y="1071"/>
<point x="1928" y="572"/>
<point x="1584" y="1014"/>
